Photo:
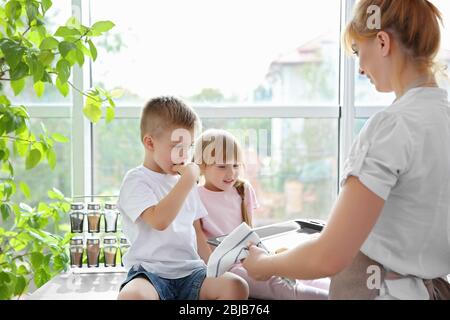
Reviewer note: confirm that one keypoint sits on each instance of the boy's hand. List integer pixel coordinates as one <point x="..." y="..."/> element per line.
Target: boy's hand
<point x="189" y="171"/>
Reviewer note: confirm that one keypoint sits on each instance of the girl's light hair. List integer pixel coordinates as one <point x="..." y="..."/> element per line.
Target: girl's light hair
<point x="219" y="147"/>
<point x="415" y="24"/>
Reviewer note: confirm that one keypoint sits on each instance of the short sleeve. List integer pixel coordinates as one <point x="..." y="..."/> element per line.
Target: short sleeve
<point x="250" y="198"/>
<point x="380" y="154"/>
<point x="135" y="197"/>
<point x="200" y="211"/>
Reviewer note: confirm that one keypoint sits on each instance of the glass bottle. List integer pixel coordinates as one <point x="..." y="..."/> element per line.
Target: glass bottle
<point x="76" y="217"/>
<point x="124" y="246"/>
<point x="93" y="217"/>
<point x="76" y="252"/>
<point x="111" y="216"/>
<point x="110" y="251"/>
<point x="93" y="251"/>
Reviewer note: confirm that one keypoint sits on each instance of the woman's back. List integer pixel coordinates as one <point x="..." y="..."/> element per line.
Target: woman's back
<point x="410" y="141"/>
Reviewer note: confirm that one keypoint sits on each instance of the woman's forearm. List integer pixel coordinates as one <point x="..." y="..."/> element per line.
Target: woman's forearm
<point x="353" y="217"/>
<point x="306" y="261"/>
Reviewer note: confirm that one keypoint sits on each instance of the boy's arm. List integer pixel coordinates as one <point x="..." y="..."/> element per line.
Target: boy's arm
<point x="202" y="243"/>
<point x="161" y="216"/>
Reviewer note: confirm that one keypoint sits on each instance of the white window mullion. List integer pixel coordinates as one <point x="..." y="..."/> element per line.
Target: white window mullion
<point x="47" y="111"/>
<point x="347" y="90"/>
<point x="227" y="112"/>
<point x="81" y="140"/>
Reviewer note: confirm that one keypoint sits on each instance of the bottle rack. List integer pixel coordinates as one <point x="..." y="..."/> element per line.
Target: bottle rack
<point x="97" y="244"/>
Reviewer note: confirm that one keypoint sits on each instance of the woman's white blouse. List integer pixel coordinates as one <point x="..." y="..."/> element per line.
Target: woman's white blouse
<point x="403" y="155"/>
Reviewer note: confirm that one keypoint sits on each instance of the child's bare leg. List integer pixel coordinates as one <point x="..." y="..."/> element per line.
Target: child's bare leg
<point x="138" y="289"/>
<point x="227" y="287"/>
<point x="277" y="289"/>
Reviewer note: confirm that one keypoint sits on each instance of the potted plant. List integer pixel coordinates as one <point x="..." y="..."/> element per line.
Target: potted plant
<point x="30" y="247"/>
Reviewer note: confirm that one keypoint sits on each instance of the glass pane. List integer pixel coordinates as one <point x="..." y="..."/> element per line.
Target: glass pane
<point x="41" y="178"/>
<point x="291" y="163"/>
<point x="117" y="149"/>
<point x="359" y="124"/>
<point x="56" y="16"/>
<point x="444" y="7"/>
<point x="233" y="52"/>
<point x="365" y="93"/>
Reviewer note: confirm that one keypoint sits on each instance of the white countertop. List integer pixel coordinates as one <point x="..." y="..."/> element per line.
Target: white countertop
<point x="90" y="284"/>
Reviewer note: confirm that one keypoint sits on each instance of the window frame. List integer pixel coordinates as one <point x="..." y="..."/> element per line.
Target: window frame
<point x="82" y="140"/>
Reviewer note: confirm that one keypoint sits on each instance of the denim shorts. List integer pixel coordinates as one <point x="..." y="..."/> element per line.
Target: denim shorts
<point x="187" y="288"/>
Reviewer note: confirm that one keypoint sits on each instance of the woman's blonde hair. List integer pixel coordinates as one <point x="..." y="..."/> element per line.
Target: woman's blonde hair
<point x="219" y="147"/>
<point x="415" y="24"/>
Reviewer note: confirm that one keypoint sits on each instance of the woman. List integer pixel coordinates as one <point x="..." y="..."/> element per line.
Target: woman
<point x="388" y="236"/>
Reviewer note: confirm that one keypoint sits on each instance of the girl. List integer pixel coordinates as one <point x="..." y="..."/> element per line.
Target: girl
<point x="230" y="201"/>
<point x="389" y="233"/>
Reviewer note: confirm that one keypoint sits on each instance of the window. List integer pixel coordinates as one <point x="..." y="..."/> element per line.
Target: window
<point x="365" y="95"/>
<point x="57" y="15"/>
<point x="270" y="67"/>
<point x="291" y="163"/>
<point x="444" y="57"/>
<point x="229" y="52"/>
<point x="117" y="149"/>
<point x="43" y="178"/>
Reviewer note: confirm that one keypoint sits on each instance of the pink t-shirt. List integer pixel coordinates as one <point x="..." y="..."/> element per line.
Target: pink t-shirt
<point x="224" y="209"/>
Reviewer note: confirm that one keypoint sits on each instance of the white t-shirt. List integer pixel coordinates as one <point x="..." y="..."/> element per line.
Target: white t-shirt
<point x="403" y="156"/>
<point x="171" y="253"/>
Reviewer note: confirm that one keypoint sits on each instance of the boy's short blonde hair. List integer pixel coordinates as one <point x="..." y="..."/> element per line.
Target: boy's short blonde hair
<point x="166" y="112"/>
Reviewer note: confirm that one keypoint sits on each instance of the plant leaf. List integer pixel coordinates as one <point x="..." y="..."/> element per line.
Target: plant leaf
<point x="62" y="87"/>
<point x="93" y="50"/>
<point x="49" y="43"/>
<point x="55" y="194"/>
<point x="36" y="259"/>
<point x="39" y="88"/>
<point x="116" y="93"/>
<point x="65" y="47"/>
<point x="6" y="211"/>
<point x="80" y="57"/>
<point x="26" y="207"/>
<point x="60" y="138"/>
<point x="110" y="114"/>
<point x="92" y="110"/>
<point x="101" y="26"/>
<point x="20" y="71"/>
<point x="13" y="10"/>
<point x="51" y="158"/>
<point x="18" y="85"/>
<point x="41" y="277"/>
<point x="25" y="189"/>
<point x="46" y="57"/>
<point x="46" y="4"/>
<point x="32" y="159"/>
<point x="63" y="69"/>
<point x="67" y="32"/>
<point x="21" y="284"/>
<point x="13" y="52"/>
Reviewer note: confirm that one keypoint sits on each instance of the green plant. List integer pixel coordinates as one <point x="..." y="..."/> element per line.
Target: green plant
<point x="30" y="247"/>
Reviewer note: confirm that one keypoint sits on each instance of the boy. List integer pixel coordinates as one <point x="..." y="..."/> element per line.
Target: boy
<point x="161" y="213"/>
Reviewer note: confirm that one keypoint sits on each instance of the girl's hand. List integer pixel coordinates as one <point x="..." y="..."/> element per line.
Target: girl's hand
<point x="256" y="263"/>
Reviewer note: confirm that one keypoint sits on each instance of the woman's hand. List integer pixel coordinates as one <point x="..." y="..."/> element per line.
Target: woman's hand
<point x="257" y="263"/>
